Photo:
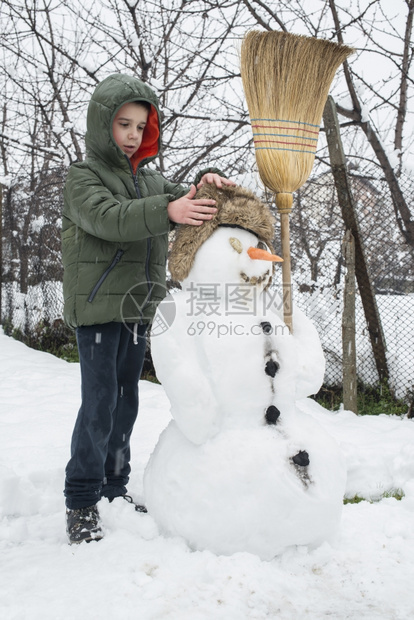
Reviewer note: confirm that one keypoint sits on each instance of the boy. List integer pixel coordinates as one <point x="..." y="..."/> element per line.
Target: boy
<point x="115" y="225"/>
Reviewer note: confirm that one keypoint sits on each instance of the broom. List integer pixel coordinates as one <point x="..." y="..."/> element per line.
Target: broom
<point x="286" y="80"/>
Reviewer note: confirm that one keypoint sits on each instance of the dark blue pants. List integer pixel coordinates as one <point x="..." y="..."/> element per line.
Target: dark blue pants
<point x="111" y="361"/>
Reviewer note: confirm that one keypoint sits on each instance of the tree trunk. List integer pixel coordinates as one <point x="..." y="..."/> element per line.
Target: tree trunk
<point x="346" y="202"/>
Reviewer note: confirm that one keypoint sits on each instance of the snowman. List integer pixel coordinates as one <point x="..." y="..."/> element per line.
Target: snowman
<point x="239" y="467"/>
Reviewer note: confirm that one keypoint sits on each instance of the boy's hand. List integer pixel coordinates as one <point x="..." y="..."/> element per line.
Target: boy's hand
<point x="185" y="210"/>
<point x="218" y="181"/>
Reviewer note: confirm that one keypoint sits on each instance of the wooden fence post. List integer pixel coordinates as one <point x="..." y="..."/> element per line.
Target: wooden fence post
<point x="1" y="248"/>
<point x="349" y="375"/>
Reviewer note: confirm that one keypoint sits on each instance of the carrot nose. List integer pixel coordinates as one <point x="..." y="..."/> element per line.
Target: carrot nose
<point x="257" y="253"/>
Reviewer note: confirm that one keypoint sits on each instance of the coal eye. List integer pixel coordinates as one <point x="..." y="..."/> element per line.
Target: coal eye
<point x="261" y="245"/>
<point x="236" y="245"/>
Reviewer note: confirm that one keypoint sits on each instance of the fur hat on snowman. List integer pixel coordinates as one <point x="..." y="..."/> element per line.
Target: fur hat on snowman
<point x="237" y="207"/>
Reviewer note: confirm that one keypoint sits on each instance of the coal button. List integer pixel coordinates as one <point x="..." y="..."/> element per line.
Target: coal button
<point x="266" y="327"/>
<point x="301" y="458"/>
<point x="272" y="414"/>
<point x="271" y="368"/>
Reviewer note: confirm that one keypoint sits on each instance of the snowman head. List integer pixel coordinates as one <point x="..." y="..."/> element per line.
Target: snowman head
<point x="232" y="255"/>
<point x="235" y="246"/>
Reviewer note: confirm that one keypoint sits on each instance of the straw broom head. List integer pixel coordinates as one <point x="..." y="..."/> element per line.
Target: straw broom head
<point x="286" y="80"/>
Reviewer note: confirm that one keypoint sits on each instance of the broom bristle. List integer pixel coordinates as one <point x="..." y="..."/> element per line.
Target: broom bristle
<point x="286" y="80"/>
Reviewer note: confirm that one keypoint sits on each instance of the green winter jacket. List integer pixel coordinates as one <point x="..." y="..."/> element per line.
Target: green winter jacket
<point x="115" y="223"/>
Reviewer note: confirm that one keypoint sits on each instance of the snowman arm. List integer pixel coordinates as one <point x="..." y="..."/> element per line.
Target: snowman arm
<point x="311" y="359"/>
<point x="193" y="404"/>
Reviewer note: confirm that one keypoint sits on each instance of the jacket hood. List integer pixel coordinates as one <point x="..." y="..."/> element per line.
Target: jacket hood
<point x="110" y="94"/>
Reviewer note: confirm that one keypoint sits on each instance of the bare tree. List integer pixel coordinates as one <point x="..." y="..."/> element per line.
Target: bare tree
<point x="403" y="61"/>
<point x="379" y="101"/>
<point x="184" y="50"/>
<point x="53" y="53"/>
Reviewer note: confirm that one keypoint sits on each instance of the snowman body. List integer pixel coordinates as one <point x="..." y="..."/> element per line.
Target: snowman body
<point x="240" y="468"/>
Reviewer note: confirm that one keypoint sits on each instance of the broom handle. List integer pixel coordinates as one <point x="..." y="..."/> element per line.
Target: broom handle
<point x="286" y="274"/>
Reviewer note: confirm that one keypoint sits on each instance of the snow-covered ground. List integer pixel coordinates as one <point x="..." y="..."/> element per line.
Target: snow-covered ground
<point x="135" y="572"/>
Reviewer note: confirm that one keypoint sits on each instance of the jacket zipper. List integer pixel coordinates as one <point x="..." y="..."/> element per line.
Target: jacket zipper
<point x="105" y="274"/>
<point x="148" y="255"/>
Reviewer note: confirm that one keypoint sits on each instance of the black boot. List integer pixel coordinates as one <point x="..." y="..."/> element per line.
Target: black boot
<point x="83" y="524"/>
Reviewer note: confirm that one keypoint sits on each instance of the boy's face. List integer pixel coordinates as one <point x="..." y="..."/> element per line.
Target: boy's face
<point x="128" y="127"/>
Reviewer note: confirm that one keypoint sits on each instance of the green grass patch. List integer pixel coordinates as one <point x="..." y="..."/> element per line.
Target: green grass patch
<point x="149" y="376"/>
<point x="371" y="400"/>
<point x="397" y="494"/>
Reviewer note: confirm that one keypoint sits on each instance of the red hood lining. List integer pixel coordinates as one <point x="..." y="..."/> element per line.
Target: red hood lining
<point x="149" y="144"/>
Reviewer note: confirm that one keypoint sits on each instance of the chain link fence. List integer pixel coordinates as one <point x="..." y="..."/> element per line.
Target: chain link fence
<point x="31" y="289"/>
<point x="31" y="266"/>
<point x="317" y="235"/>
